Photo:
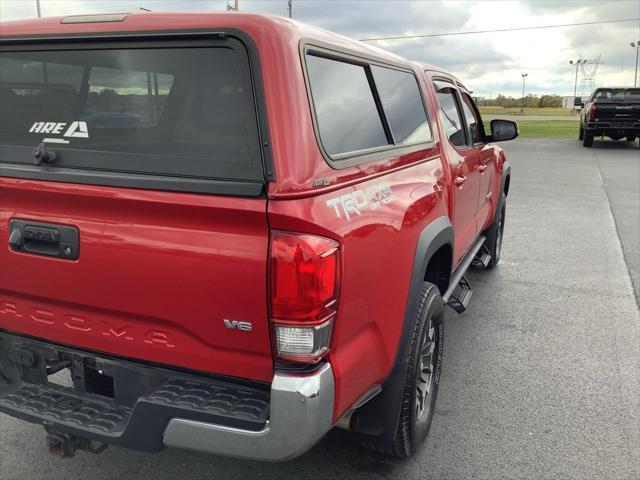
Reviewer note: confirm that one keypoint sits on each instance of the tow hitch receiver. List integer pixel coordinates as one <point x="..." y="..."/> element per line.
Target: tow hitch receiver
<point x="65" y="445"/>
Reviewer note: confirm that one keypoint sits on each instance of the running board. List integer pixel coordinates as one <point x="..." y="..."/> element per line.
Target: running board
<point x="481" y="261"/>
<point x="461" y="295"/>
<point x="459" y="292"/>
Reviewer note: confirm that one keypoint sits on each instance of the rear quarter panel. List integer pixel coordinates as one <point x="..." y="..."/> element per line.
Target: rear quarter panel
<point x="378" y="245"/>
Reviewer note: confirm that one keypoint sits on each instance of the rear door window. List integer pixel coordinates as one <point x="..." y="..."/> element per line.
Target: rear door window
<point x="173" y="111"/>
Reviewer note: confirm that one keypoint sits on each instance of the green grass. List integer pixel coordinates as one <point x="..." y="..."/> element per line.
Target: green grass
<point x="551" y="111"/>
<point x="548" y="129"/>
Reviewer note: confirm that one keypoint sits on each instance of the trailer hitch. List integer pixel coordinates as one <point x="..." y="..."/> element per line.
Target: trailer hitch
<point x="65" y="445"/>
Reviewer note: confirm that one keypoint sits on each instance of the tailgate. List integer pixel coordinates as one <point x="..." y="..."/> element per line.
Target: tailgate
<point x="617" y="111"/>
<point x="150" y="155"/>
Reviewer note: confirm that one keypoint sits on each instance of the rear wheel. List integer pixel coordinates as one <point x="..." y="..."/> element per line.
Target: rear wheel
<point x="424" y="365"/>
<point x="587" y="140"/>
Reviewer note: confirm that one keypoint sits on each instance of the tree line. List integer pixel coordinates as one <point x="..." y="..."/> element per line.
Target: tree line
<point x="530" y="101"/>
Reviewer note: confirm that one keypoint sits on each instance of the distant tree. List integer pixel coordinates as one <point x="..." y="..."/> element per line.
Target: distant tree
<point x="530" y="101"/>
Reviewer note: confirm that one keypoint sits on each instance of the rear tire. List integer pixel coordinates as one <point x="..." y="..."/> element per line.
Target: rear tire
<point x="581" y="133"/>
<point x="424" y="364"/>
<point x="587" y="140"/>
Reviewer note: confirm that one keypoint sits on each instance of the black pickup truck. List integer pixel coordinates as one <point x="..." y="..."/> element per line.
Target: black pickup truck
<point x="613" y="112"/>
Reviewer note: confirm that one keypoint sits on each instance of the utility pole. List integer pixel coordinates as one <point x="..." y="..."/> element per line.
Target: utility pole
<point x="38" y="7"/>
<point x="524" y="75"/>
<point x="575" y="86"/>
<point x="290" y="15"/>
<point x="636" y="45"/>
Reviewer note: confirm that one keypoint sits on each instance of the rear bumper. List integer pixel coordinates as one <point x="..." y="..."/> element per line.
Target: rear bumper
<point x="300" y="414"/>
<point x="619" y="127"/>
<point x="146" y="408"/>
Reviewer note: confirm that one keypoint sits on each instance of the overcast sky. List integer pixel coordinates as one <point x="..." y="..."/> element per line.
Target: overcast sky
<point x="488" y="63"/>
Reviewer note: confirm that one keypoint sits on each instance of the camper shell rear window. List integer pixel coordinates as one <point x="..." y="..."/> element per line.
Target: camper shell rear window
<point x="178" y="109"/>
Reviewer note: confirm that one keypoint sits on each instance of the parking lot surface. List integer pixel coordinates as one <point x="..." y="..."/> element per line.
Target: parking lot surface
<point x="540" y="375"/>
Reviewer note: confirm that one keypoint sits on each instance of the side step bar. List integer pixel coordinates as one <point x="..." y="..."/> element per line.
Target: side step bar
<point x="459" y="292"/>
<point x="481" y="261"/>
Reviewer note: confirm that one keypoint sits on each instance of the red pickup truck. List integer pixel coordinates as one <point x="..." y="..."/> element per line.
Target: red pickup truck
<point x="232" y="232"/>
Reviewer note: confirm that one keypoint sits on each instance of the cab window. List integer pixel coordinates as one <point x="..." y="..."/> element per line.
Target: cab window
<point x="450" y="114"/>
<point x="472" y="118"/>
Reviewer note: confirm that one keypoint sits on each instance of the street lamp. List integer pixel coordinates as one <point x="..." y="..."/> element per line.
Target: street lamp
<point x="524" y="75"/>
<point x="575" y="85"/>
<point x="636" y="45"/>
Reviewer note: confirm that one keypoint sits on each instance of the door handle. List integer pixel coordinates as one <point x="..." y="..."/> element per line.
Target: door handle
<point x="459" y="181"/>
<point x="482" y="168"/>
<point x="44" y="239"/>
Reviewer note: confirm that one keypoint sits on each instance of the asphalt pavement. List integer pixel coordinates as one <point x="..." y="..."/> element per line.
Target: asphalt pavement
<point x="540" y="375"/>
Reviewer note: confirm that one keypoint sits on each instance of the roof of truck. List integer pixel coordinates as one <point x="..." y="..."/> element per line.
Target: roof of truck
<point x="163" y="21"/>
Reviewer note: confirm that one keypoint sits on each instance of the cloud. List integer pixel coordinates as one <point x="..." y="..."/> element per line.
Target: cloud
<point x="486" y="62"/>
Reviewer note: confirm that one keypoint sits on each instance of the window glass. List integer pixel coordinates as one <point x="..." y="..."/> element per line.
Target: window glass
<point x="184" y="111"/>
<point x="450" y="114"/>
<point x="617" y="95"/>
<point x="346" y="112"/>
<point x="471" y="118"/>
<point x="402" y="105"/>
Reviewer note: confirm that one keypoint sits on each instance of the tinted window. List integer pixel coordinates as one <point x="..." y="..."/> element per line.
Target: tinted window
<point x="402" y="105"/>
<point x="617" y="95"/>
<point x="450" y="114"/>
<point x="472" y="118"/>
<point x="345" y="109"/>
<point x="174" y="111"/>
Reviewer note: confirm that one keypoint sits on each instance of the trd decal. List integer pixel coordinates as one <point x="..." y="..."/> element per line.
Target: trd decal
<point x="354" y="203"/>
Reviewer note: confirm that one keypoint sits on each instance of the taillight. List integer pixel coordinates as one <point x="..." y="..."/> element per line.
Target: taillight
<point x="591" y="111"/>
<point x="304" y="275"/>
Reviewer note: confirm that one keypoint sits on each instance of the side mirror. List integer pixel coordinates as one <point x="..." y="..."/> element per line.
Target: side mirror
<point x="502" y="130"/>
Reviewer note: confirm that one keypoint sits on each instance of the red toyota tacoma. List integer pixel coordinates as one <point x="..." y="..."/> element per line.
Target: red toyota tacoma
<point x="232" y="232"/>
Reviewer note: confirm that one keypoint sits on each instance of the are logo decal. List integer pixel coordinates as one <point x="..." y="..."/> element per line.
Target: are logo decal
<point x="76" y="129"/>
<point x="354" y="203"/>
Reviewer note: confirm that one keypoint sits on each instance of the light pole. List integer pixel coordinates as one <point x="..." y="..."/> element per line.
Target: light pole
<point x="575" y="85"/>
<point x="38" y="7"/>
<point x="290" y="8"/>
<point x="636" y="45"/>
<point x="524" y="75"/>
